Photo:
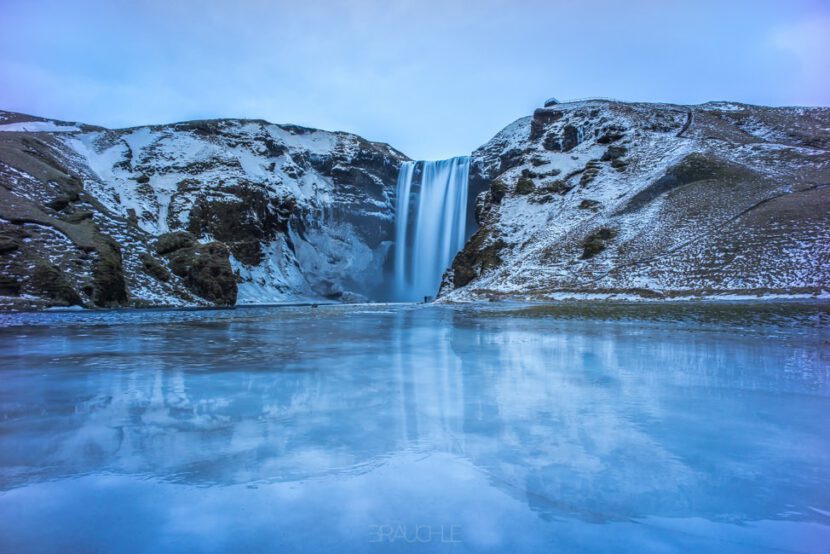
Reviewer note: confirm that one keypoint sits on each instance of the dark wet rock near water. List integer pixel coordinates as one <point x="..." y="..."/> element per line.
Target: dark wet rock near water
<point x="205" y="268"/>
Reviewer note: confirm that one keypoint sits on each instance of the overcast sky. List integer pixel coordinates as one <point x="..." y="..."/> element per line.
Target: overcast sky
<point x="432" y="78"/>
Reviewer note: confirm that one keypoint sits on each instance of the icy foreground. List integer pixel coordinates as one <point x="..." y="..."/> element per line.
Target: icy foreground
<point x="655" y="200"/>
<point x="620" y="428"/>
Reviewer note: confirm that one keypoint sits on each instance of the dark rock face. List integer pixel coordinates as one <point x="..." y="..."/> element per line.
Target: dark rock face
<point x="63" y="201"/>
<point x="9" y="286"/>
<point x="612" y="134"/>
<point x="542" y="119"/>
<point x="480" y="254"/>
<point x="8" y="245"/>
<point x="497" y="191"/>
<point x="154" y="267"/>
<point x="510" y="159"/>
<point x="208" y="272"/>
<point x="244" y="221"/>
<point x="205" y="268"/>
<point x="170" y="242"/>
<point x="570" y="138"/>
<point x="553" y="143"/>
<point x="50" y="282"/>
<point x="109" y="286"/>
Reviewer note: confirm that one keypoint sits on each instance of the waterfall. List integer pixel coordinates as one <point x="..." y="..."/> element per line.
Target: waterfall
<point x="431" y="227"/>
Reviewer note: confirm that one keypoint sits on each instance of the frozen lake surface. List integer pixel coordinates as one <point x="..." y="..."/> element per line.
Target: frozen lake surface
<point x="486" y="428"/>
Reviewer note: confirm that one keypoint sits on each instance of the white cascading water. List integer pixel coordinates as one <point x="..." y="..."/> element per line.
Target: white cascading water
<point x="430" y="231"/>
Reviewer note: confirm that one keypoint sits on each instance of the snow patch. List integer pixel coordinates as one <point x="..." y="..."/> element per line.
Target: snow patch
<point x="38" y="127"/>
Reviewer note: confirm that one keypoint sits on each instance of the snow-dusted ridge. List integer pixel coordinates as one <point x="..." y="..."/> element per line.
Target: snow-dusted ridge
<point x="304" y="213"/>
<point x="598" y="199"/>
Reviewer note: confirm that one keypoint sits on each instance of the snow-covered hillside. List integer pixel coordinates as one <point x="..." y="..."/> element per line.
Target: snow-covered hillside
<point x="274" y="213"/>
<point x="612" y="198"/>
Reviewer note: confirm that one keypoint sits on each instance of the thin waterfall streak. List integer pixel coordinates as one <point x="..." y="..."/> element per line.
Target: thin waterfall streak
<point x="403" y="189"/>
<point x="432" y="229"/>
<point x="448" y="204"/>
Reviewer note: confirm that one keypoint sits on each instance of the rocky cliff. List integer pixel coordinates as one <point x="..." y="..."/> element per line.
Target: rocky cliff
<point x="200" y="213"/>
<point x="583" y="198"/>
<point x="652" y="200"/>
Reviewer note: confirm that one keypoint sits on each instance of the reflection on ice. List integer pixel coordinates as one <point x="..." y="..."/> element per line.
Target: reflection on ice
<point x="273" y="429"/>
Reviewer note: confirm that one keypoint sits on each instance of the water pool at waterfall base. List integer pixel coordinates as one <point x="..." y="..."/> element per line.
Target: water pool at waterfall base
<point x="693" y="427"/>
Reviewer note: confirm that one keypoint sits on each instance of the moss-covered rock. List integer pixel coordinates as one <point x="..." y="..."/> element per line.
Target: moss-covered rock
<point x="557" y="187"/>
<point x="170" y="242"/>
<point x="481" y="253"/>
<point x="596" y="242"/>
<point x="246" y="221"/>
<point x="498" y="189"/>
<point x="154" y="268"/>
<point x="525" y="186"/>
<point x="693" y="168"/>
<point x="206" y="270"/>
<point x="50" y="283"/>
<point x="109" y="285"/>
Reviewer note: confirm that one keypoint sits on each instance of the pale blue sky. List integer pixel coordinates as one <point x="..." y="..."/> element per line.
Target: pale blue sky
<point x="432" y="78"/>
